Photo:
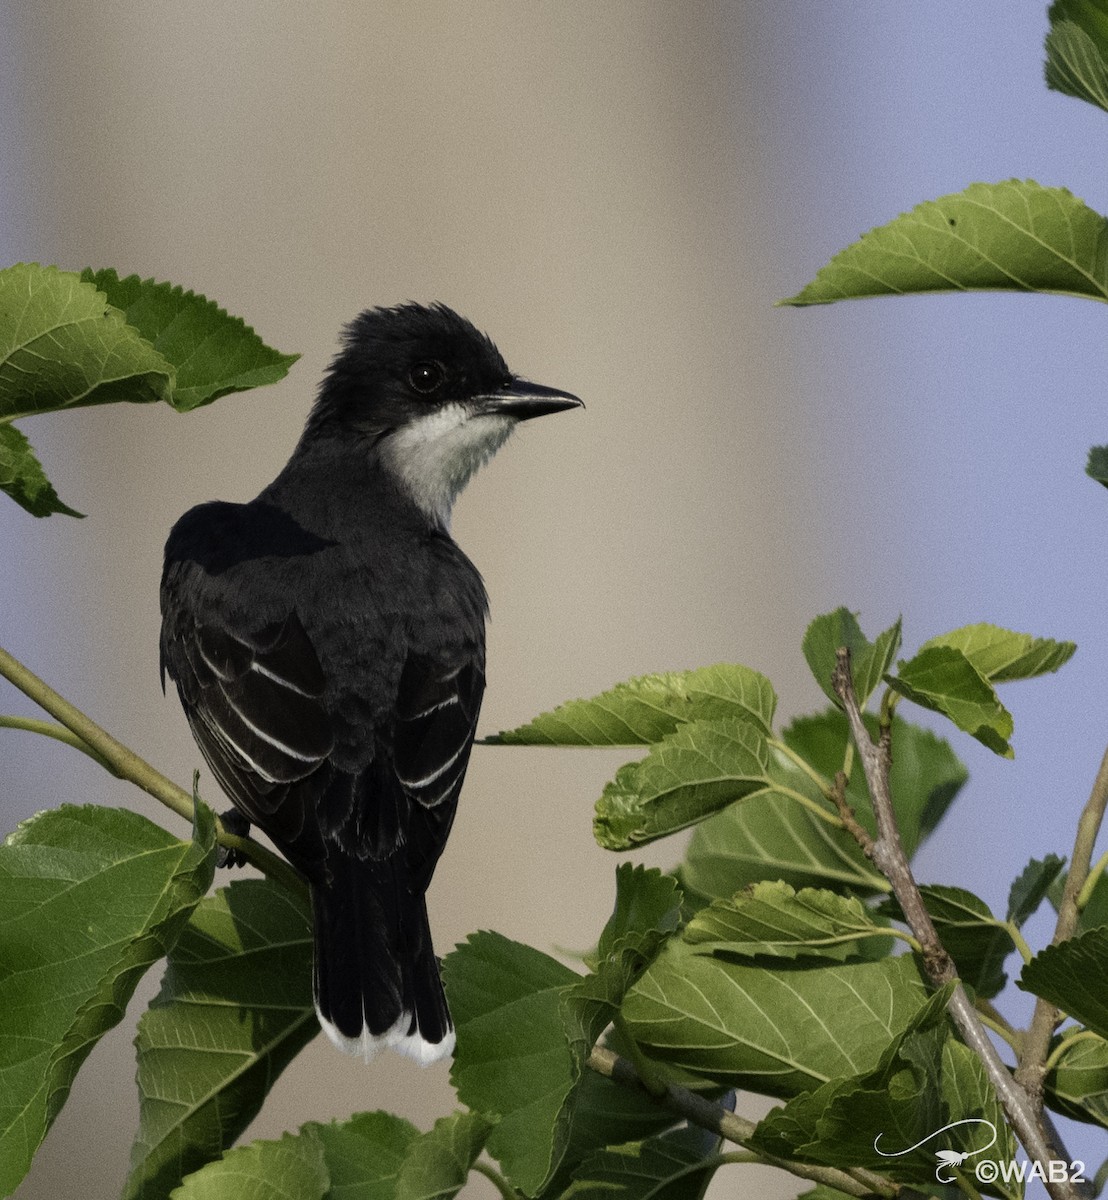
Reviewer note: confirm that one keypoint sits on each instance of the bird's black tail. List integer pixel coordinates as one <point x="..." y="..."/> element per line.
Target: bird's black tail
<point x="376" y="977"/>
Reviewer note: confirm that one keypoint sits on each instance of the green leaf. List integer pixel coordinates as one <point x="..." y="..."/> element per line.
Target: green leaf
<point x="768" y="1028"/>
<point x="373" y="1156"/>
<point x="438" y="1164"/>
<point x="1030" y="887"/>
<point x="670" y="1167"/>
<point x="1095" y="911"/>
<point x="647" y="908"/>
<point x="647" y="911"/>
<point x="1071" y="975"/>
<point x="363" y="1156"/>
<point x="22" y="477"/>
<point x="513" y="1059"/>
<point x="967" y="1092"/>
<point x="869" y="660"/>
<point x="212" y="353"/>
<point x="294" y="1166"/>
<point x="1077" y="51"/>
<point x="1010" y="236"/>
<point x="90" y="897"/>
<point x="1097" y="466"/>
<point x="771" y="837"/>
<point x="924" y="1080"/>
<point x="62" y="345"/>
<point x="648" y="708"/>
<point x="944" y="680"/>
<point x="771" y="918"/>
<point x="604" y="1113"/>
<point x="235" y="1008"/>
<point x="897" y="1101"/>
<point x="1077" y="1084"/>
<point x="973" y="937"/>
<point x="689" y="775"/>
<point x="1001" y="655"/>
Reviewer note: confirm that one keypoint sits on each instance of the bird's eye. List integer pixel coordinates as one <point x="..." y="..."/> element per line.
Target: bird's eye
<point x="427" y="377"/>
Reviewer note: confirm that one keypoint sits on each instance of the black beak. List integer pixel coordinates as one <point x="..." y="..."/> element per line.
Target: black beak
<point x="523" y="400"/>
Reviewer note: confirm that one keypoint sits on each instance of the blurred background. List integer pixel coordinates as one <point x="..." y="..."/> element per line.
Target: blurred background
<point x="617" y="193"/>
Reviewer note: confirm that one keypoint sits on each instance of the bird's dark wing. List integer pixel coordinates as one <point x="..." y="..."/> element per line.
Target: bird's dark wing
<point x="254" y="702"/>
<point x="407" y="794"/>
<point x="436" y="716"/>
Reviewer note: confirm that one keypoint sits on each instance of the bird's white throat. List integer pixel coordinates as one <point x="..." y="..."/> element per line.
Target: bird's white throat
<point x="434" y="457"/>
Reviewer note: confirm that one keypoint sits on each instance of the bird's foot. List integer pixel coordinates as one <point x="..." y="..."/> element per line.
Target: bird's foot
<point x="234" y="822"/>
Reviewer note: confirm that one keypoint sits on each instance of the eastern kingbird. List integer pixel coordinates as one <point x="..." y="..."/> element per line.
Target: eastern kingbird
<point x="327" y="640"/>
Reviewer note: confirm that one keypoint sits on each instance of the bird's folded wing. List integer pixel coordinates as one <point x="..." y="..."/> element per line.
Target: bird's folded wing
<point x="258" y="698"/>
<point x="436" y="716"/>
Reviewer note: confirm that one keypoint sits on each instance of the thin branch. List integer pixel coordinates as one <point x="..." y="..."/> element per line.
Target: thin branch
<point x="728" y="1125"/>
<point x="1087" y="888"/>
<point x="850" y="822"/>
<point x="126" y="764"/>
<point x="496" y="1179"/>
<point x="888" y="855"/>
<point x="58" y="733"/>
<point x="1044" y="1020"/>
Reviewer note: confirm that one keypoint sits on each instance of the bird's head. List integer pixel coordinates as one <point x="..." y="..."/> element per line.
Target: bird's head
<point x="428" y="394"/>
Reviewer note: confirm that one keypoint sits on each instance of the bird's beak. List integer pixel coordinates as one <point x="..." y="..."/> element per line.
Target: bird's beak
<point x="523" y="400"/>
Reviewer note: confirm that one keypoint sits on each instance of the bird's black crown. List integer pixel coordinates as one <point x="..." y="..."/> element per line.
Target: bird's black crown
<point x="397" y="362"/>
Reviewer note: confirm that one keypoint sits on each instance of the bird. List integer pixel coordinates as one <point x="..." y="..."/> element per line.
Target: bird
<point x="327" y="643"/>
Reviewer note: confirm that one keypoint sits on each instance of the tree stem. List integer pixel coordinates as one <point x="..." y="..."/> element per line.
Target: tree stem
<point x="887" y="853"/>
<point x="719" y="1120"/>
<point x="126" y="764"/>
<point x="1044" y="1020"/>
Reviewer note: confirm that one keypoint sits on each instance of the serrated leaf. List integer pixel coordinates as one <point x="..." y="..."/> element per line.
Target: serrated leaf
<point x="235" y="1008"/>
<point x="1077" y="50"/>
<point x="1077" y="1084"/>
<point x="647" y="908"/>
<point x="646" y="709"/>
<point x="1095" y="911"/>
<point x="942" y="679"/>
<point x="1030" y="887"/>
<point x="438" y="1164"/>
<point x="771" y="918"/>
<point x="22" y="477"/>
<point x="973" y="937"/>
<point x="1097" y="466"/>
<point x="1010" y="236"/>
<point x="212" y="353"/>
<point x="896" y="1101"/>
<point x="672" y="1166"/>
<point x="62" y="345"/>
<point x="513" y="1059"/>
<point x="924" y="1080"/>
<point x="968" y="1093"/>
<point x="364" y="1156"/>
<point x="1071" y="975"/>
<point x="868" y="660"/>
<point x="647" y="911"/>
<point x="293" y="1166"/>
<point x="1001" y="655"/>
<point x="769" y="837"/>
<point x="604" y="1114"/>
<point x="774" y="1029"/>
<point x="689" y="775"/>
<point x="90" y="898"/>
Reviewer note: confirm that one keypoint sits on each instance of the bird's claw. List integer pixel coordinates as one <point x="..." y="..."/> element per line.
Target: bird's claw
<point x="234" y="822"/>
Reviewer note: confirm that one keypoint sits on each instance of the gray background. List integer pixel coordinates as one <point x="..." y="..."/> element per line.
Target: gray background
<point x="617" y="192"/>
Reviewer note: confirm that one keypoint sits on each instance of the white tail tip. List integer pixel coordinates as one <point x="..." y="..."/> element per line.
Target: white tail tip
<point x="368" y="1045"/>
